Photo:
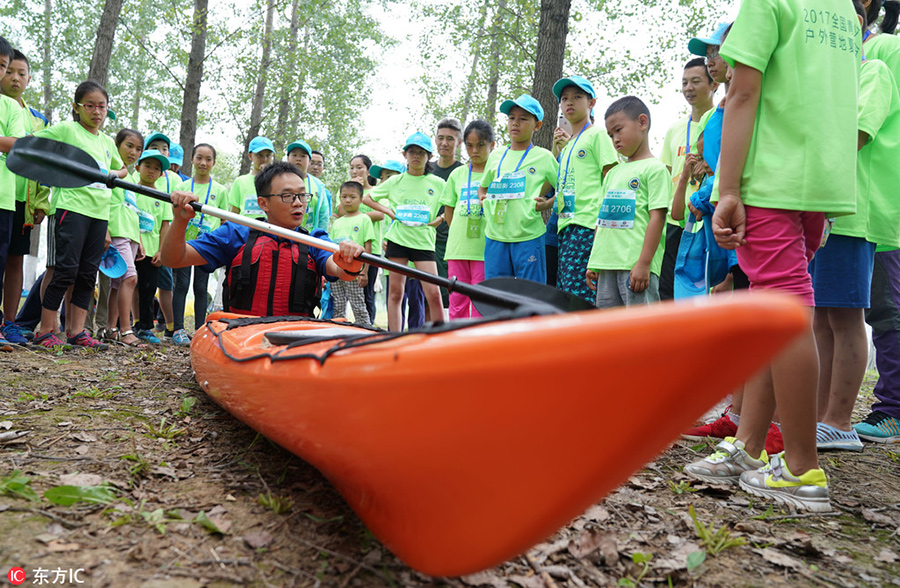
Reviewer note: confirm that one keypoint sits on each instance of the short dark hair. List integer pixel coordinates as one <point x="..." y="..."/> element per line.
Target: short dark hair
<point x="354" y="185"/>
<point x="481" y="128"/>
<point x="449" y="122"/>
<point x="207" y="145"/>
<point x="319" y="153"/>
<point x="632" y="106"/>
<point x="125" y="133"/>
<point x="6" y="49"/>
<point x="263" y="181"/>
<point x="19" y="56"/>
<point x="699" y="62"/>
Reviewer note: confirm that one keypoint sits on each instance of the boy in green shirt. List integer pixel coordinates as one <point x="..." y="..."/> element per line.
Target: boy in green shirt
<point x="513" y="193"/>
<point x="579" y="181"/>
<point x="242" y="199"/>
<point x="357" y="227"/>
<point x="627" y="254"/>
<point x="319" y="206"/>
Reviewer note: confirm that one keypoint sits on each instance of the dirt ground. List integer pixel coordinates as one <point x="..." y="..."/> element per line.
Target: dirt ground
<point x="191" y="497"/>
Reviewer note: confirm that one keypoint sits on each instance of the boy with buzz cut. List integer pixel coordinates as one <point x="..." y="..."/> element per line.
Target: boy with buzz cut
<point x="32" y="201"/>
<point x="299" y="153"/>
<point x="242" y="199"/>
<point x="11" y="127"/>
<point x="585" y="157"/>
<point x="627" y="254"/>
<point x="357" y="227"/>
<point x="513" y="193"/>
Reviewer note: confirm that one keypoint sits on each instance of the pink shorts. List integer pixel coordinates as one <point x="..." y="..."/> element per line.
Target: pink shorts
<point x="780" y="245"/>
<point x="128" y="250"/>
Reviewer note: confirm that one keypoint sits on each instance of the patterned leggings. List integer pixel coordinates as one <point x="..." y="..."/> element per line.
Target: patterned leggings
<point x="575" y="243"/>
<point x="341" y="293"/>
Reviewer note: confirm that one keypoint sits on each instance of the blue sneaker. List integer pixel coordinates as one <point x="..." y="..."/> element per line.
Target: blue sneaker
<point x="181" y="338"/>
<point x="879" y="427"/>
<point x="13" y="333"/>
<point x="148" y="336"/>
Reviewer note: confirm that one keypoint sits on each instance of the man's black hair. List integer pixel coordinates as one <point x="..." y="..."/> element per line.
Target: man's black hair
<point x="263" y="181"/>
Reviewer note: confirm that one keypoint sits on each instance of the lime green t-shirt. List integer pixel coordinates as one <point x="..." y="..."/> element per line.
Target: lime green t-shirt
<point x="377" y="226"/>
<point x="12" y="124"/>
<point x="28" y="190"/>
<point x="674" y="153"/>
<point x="465" y="241"/>
<point x="415" y="201"/>
<point x="92" y="200"/>
<point x="884" y="48"/>
<point x="167" y="182"/>
<point x="243" y="197"/>
<point x="152" y="213"/>
<point x="210" y="194"/>
<point x="877" y="217"/>
<point x="633" y="189"/>
<point x="123" y="215"/>
<point x="579" y="188"/>
<point x="357" y="228"/>
<point x="509" y="209"/>
<point x="803" y="148"/>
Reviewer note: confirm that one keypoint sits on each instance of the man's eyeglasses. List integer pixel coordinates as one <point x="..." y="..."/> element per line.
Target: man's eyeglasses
<point x="289" y="197"/>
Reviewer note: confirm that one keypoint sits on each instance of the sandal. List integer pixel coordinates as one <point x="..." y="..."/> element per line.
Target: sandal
<point x="137" y="343"/>
<point x="110" y="335"/>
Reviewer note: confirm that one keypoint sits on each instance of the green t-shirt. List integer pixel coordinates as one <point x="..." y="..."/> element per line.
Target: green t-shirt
<point x="377" y="226"/>
<point x="123" y="215"/>
<point x="580" y="177"/>
<point x="465" y="240"/>
<point x="29" y="190"/>
<point x="509" y="209"/>
<point x="243" y="197"/>
<point x="415" y="201"/>
<point x="803" y="149"/>
<point x="92" y="200"/>
<point x="210" y="194"/>
<point x="167" y="182"/>
<point x="12" y="124"/>
<point x="877" y="217"/>
<point x="357" y="228"/>
<point x="675" y="152"/>
<point x="152" y="213"/>
<point x="633" y="189"/>
<point x="318" y="208"/>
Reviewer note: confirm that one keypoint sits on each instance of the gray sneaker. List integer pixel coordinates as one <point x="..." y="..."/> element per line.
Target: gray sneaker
<point x="726" y="465"/>
<point x="775" y="481"/>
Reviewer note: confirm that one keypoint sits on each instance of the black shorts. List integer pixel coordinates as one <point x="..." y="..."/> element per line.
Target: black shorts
<point x="20" y="242"/>
<point x="403" y="252"/>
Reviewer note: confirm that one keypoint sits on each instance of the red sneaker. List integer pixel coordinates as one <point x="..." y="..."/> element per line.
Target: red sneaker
<point x="718" y="429"/>
<point x="774" y="442"/>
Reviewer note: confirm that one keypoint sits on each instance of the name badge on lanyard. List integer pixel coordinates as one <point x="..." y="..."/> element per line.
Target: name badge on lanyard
<point x="131" y="201"/>
<point x="146" y="221"/>
<point x="251" y="207"/>
<point x="617" y="210"/>
<point x="104" y="171"/>
<point x="196" y="227"/>
<point x="568" y="204"/>
<point x="413" y="215"/>
<point x="509" y="187"/>
<point x="568" y="193"/>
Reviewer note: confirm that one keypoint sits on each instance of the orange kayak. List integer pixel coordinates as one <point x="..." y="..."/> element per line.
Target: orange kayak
<point x="464" y="445"/>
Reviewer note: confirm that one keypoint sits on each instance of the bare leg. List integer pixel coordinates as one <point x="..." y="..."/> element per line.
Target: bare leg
<point x="848" y="367"/>
<point x="112" y="305"/>
<point x="432" y="293"/>
<point x="395" y="296"/>
<point x="825" y="344"/>
<point x="165" y="303"/>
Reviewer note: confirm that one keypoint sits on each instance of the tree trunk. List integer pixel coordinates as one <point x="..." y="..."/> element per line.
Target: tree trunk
<point x="548" y="63"/>
<point x="470" y="85"/>
<point x="106" y="33"/>
<point x="136" y="106"/>
<point x="288" y="82"/>
<point x="494" y="74"/>
<point x="48" y="68"/>
<point x="259" y="94"/>
<point x="192" y="82"/>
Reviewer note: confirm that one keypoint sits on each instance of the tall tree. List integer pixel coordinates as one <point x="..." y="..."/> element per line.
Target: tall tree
<point x="106" y="33"/>
<point x="46" y="41"/>
<point x="288" y="81"/>
<point x="194" y="78"/>
<point x="259" y="94"/>
<point x="548" y="64"/>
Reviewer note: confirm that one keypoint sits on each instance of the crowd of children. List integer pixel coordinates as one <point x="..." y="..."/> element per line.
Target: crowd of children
<point x="781" y="185"/>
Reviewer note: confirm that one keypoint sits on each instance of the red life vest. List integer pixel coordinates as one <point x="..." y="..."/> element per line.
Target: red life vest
<point x="272" y="277"/>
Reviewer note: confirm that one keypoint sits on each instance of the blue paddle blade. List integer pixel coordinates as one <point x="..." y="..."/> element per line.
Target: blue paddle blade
<point x="53" y="163"/>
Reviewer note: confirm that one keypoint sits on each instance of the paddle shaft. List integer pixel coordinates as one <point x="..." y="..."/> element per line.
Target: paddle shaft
<point x="471" y="290"/>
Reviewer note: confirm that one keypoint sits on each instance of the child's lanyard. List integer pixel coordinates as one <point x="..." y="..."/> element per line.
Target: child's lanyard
<point x="524" y="155"/>
<point x="168" y="190"/>
<point x="205" y="202"/>
<point x="469" y="192"/>
<point x="688" y="152"/>
<point x="569" y="157"/>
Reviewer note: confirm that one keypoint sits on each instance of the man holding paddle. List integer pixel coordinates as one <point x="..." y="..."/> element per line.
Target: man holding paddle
<point x="267" y="275"/>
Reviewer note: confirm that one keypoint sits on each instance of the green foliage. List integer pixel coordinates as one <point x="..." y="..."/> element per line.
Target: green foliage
<point x="277" y="504"/>
<point x="682" y="487"/>
<point x="715" y="540"/>
<point x="19" y="486"/>
<point x="69" y="495"/>
<point x="164" y="431"/>
<point x="204" y="521"/>
<point x="642" y="560"/>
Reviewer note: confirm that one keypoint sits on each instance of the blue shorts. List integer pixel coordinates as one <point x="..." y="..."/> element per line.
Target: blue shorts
<point x="842" y="272"/>
<point x="525" y="260"/>
<point x="165" y="281"/>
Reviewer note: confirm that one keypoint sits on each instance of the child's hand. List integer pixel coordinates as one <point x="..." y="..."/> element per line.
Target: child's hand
<point x="541" y="203"/>
<point x="729" y="222"/>
<point x="560" y="138"/>
<point x="141" y="254"/>
<point x="107" y="241"/>
<point x="591" y="277"/>
<point x="181" y="204"/>
<point x="639" y="278"/>
<point x="39" y="216"/>
<point x="690" y="161"/>
<point x="363" y="280"/>
<point x="725" y="286"/>
<point x="155" y="261"/>
<point x="697" y="214"/>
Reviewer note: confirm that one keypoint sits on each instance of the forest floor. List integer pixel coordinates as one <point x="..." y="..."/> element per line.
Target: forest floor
<point x="164" y="488"/>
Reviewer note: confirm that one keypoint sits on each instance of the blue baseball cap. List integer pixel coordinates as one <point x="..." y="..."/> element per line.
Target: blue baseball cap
<point x="299" y="145"/>
<point x="420" y="140"/>
<point x="260" y="144"/>
<point x="698" y="45"/>
<point x="154" y="154"/>
<point x="176" y="154"/>
<point x="112" y="264"/>
<point x="579" y="81"/>
<point x="526" y="103"/>
<point x="391" y="165"/>
<point x="155" y="136"/>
